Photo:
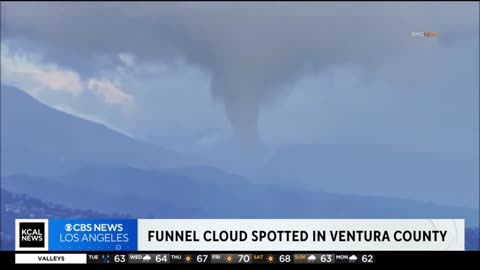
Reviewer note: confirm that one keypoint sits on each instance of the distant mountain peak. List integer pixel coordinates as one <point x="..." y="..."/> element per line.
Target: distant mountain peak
<point x="29" y="126"/>
<point x="10" y="93"/>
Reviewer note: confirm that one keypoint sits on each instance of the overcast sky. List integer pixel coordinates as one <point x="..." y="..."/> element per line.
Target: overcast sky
<point x="275" y="72"/>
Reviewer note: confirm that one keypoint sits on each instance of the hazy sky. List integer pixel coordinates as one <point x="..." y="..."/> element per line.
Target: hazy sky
<point x="279" y="72"/>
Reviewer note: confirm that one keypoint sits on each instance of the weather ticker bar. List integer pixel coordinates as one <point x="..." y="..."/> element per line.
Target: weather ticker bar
<point x="195" y="258"/>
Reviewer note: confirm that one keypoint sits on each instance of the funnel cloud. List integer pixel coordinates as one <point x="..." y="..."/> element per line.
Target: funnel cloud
<point x="251" y="51"/>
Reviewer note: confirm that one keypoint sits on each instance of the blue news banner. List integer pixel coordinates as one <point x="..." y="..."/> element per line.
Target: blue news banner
<point x="92" y="234"/>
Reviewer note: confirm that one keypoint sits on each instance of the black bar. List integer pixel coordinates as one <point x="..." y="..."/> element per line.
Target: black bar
<point x="274" y="258"/>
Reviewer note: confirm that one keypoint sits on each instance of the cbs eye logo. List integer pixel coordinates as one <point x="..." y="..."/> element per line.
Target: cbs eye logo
<point x="68" y="227"/>
<point x="32" y="234"/>
<point x="78" y="227"/>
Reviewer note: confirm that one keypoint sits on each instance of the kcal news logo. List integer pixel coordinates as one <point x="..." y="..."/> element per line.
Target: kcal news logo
<point x="31" y="234"/>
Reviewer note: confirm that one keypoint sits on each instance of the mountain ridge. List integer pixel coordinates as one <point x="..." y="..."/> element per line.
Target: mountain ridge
<point x="27" y="124"/>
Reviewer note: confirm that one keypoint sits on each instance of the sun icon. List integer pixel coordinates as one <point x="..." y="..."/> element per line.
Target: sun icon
<point x="270" y="259"/>
<point x="188" y="259"/>
<point x="229" y="259"/>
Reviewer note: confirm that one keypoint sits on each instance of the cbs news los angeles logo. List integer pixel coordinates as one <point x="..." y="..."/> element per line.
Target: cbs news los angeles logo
<point x="31" y="234"/>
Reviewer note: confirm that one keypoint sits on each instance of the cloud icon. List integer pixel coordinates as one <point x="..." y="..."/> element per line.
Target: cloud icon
<point x="311" y="258"/>
<point x="147" y="258"/>
<point x="352" y="258"/>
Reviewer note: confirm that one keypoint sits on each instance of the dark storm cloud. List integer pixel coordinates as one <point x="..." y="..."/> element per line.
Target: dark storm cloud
<point x="250" y="50"/>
